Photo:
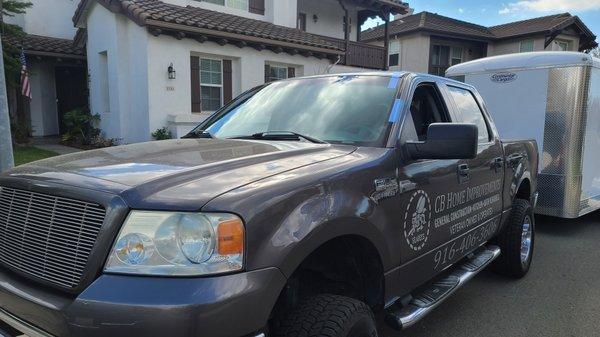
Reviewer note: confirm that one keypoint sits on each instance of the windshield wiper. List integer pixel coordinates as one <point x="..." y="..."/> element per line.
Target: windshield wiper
<point x="198" y="134"/>
<point x="281" y="135"/>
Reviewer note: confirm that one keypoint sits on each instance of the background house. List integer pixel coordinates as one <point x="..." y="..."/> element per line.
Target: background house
<point x="57" y="68"/>
<point x="430" y="43"/>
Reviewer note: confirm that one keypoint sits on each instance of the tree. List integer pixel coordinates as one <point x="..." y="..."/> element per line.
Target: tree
<point x="595" y="52"/>
<point x="12" y="65"/>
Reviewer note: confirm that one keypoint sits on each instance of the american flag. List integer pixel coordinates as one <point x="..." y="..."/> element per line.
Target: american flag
<point x="25" y="85"/>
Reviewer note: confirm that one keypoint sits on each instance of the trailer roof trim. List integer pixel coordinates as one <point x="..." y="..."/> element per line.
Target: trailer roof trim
<point x="524" y="61"/>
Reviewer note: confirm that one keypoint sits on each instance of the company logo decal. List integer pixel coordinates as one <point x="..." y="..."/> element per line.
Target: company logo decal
<point x="503" y="77"/>
<point x="417" y="220"/>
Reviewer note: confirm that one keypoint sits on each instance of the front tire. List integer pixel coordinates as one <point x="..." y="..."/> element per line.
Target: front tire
<point x="327" y="316"/>
<point x="516" y="242"/>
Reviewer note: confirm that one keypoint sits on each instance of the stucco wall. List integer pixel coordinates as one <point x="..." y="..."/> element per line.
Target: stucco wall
<point x="48" y="18"/>
<point x="414" y="53"/>
<point x="173" y="97"/>
<point x="124" y="109"/>
<point x="330" y="18"/>
<point x="514" y="45"/>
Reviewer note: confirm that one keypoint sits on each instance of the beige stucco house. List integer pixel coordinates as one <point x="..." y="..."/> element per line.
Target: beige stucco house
<point x="430" y="43"/>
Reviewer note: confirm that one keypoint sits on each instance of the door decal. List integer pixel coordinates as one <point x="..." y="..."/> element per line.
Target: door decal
<point x="417" y="220"/>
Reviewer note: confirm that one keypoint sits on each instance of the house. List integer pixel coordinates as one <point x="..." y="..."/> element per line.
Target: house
<point x="57" y="67"/>
<point x="171" y="63"/>
<point x="430" y="43"/>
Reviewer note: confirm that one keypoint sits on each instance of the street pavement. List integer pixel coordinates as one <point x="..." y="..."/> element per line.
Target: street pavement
<point x="559" y="297"/>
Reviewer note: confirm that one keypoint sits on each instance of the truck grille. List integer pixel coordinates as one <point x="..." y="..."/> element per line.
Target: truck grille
<point x="46" y="236"/>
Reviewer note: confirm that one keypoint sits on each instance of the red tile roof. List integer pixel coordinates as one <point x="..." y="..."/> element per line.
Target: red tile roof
<point x="435" y="23"/>
<point x="45" y="46"/>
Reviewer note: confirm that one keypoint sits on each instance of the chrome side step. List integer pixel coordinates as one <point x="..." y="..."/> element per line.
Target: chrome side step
<point x="422" y="304"/>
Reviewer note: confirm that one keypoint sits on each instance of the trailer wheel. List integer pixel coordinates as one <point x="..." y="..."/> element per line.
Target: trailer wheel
<point x="327" y="316"/>
<point x="516" y="242"/>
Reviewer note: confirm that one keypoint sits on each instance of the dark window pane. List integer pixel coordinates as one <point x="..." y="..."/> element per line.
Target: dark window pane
<point x="394" y="58"/>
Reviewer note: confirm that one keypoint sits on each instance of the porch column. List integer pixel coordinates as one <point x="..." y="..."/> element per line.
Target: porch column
<point x="386" y="39"/>
<point x="346" y="26"/>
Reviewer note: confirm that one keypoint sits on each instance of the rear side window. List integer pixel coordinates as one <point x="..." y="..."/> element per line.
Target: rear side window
<point x="469" y="111"/>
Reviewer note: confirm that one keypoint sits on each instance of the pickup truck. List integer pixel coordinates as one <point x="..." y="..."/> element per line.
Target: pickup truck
<point x="314" y="206"/>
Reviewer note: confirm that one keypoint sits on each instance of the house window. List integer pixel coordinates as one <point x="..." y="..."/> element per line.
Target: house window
<point x="563" y="45"/>
<point x="301" y="21"/>
<point x="439" y="60"/>
<point x="456" y="56"/>
<point x="211" y="84"/>
<point x="394" y="51"/>
<point x="278" y="72"/>
<point x="238" y="4"/>
<point x="526" y="46"/>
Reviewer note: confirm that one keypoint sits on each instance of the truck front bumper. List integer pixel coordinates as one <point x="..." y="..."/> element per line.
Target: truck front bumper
<point x="114" y="305"/>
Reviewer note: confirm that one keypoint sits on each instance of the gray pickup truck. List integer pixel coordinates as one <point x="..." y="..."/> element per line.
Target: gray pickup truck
<point x="306" y="207"/>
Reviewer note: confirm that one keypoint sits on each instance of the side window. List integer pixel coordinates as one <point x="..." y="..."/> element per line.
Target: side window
<point x="469" y="111"/>
<point x="426" y="108"/>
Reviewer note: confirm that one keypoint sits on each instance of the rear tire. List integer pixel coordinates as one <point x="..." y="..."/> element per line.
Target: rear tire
<point x="516" y="242"/>
<point x="327" y="316"/>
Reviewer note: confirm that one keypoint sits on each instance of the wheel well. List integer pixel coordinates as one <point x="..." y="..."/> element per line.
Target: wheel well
<point x="524" y="191"/>
<point x="347" y="265"/>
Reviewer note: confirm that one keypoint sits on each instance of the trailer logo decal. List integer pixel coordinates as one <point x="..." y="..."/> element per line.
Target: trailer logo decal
<point x="417" y="220"/>
<point x="503" y="77"/>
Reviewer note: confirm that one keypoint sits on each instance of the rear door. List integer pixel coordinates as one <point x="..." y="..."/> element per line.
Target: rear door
<point x="481" y="178"/>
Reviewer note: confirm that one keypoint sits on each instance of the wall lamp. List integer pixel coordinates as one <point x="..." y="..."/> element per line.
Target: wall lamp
<point x="172" y="72"/>
<point x="315" y="18"/>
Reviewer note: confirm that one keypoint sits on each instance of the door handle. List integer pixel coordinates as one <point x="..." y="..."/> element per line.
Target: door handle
<point x="464" y="173"/>
<point x="497" y="163"/>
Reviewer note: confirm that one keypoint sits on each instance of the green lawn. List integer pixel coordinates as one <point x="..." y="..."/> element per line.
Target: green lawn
<point x="27" y="154"/>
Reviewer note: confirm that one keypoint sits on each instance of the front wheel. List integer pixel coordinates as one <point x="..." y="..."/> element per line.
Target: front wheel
<point x="327" y="316"/>
<point x="516" y="241"/>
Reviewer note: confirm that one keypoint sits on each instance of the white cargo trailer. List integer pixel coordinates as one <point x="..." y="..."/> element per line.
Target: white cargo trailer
<point x="553" y="97"/>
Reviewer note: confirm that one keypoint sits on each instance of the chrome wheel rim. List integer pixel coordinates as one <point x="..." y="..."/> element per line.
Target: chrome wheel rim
<point x="526" y="237"/>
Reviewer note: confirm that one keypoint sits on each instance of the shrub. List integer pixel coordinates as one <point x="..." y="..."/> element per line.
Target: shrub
<point x="81" y="126"/>
<point x="20" y="132"/>
<point x="162" y="134"/>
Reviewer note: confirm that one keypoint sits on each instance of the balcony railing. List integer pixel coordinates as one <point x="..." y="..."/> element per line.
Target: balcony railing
<point x="360" y="54"/>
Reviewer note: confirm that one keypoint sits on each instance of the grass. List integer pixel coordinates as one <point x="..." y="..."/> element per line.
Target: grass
<point x="27" y="154"/>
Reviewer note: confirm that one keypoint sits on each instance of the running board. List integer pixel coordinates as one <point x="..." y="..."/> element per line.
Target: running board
<point x="422" y="304"/>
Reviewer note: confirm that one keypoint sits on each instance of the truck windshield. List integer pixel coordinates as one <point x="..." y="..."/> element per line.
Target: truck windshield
<point x="336" y="109"/>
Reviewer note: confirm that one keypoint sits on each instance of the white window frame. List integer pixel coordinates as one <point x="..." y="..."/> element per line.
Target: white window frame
<point x="211" y="84"/>
<point x="452" y="48"/>
<point x="563" y="42"/>
<point x="227" y="4"/>
<point x="525" y="41"/>
<point x="274" y="65"/>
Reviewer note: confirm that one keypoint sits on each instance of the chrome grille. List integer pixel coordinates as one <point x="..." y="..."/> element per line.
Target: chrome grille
<point x="46" y="236"/>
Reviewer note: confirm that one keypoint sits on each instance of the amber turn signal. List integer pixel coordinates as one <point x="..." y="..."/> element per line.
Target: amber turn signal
<point x="231" y="237"/>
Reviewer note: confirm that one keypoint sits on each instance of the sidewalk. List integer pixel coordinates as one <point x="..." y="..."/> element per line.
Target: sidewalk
<point x="53" y="144"/>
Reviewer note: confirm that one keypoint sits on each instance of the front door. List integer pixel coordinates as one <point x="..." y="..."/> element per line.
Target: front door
<point x="426" y="186"/>
<point x="71" y="91"/>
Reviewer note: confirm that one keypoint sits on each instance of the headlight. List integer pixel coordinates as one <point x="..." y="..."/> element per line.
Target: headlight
<point x="178" y="244"/>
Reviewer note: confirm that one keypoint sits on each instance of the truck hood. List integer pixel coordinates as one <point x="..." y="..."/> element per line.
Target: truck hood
<point x="183" y="173"/>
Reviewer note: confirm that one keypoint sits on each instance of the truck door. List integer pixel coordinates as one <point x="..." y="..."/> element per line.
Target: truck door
<point x="424" y="183"/>
<point x="480" y="178"/>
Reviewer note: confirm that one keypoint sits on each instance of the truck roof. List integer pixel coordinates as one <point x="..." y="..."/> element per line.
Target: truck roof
<point x="524" y="61"/>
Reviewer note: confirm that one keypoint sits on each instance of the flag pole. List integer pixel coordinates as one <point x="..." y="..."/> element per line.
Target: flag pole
<point x="6" y="150"/>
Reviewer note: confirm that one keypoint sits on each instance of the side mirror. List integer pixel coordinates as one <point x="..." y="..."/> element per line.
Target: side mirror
<point x="446" y="141"/>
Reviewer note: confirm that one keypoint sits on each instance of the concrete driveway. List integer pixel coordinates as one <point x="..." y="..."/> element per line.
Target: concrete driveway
<point x="559" y="297"/>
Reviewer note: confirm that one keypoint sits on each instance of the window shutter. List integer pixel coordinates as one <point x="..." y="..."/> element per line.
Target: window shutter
<point x="227" y="82"/>
<point x="195" y="87"/>
<point x="267" y="73"/>
<point x="257" y="7"/>
<point x="291" y="72"/>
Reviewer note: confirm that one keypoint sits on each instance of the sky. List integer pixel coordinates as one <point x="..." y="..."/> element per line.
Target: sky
<point x="492" y="12"/>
